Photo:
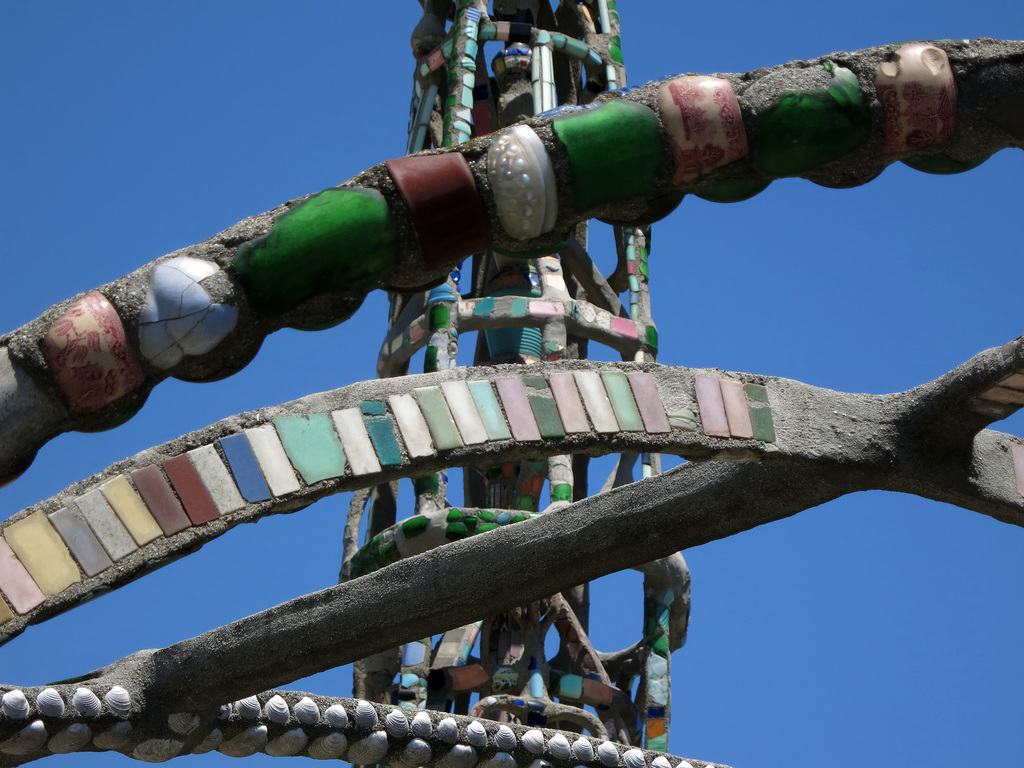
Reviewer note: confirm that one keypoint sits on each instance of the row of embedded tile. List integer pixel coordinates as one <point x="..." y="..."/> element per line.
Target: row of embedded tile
<point x="1002" y="399"/>
<point x="730" y="408"/>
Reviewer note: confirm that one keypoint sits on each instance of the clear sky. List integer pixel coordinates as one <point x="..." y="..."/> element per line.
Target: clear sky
<point x="876" y="628"/>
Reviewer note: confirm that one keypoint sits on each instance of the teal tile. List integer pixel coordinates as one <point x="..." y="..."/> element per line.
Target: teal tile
<point x="372" y="408"/>
<point x="626" y="413"/>
<point x="490" y="411"/>
<point x="484" y="307"/>
<point x="439" y="419"/>
<point x="519" y="307"/>
<point x="312" y="446"/>
<point x="382" y="435"/>
<point x="756" y="392"/>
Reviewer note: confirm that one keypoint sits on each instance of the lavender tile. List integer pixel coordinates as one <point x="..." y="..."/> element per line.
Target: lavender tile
<point x="652" y="411"/>
<point x="18" y="587"/>
<point x="517" y="409"/>
<point x="734" y="398"/>
<point x="567" y="400"/>
<point x="712" y="408"/>
<point x="79" y="538"/>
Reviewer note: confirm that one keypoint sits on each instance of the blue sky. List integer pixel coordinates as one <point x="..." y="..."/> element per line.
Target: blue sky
<point x="878" y="625"/>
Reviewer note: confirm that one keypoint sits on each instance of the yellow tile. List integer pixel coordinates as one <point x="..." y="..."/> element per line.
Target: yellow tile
<point x="41" y="550"/>
<point x="5" y="613"/>
<point x="131" y="509"/>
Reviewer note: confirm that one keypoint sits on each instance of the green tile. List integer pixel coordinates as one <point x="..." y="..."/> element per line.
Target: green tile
<point x="440" y="317"/>
<point x="372" y="407"/>
<point x="382" y="435"/>
<point x="312" y="446"/>
<point x="764" y="427"/>
<point x="490" y="411"/>
<point x="756" y="392"/>
<point x="414" y="526"/>
<point x="519" y="307"/>
<point x="561" y="492"/>
<point x="619" y="392"/>
<point x="544" y="409"/>
<point x="439" y="419"/>
<point x="652" y="337"/>
<point x="426" y="484"/>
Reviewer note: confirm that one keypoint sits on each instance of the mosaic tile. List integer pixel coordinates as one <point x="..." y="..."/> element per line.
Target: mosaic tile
<point x="273" y="461"/>
<point x="712" y="408"/>
<point x="1014" y="381"/>
<point x="567" y="400"/>
<point x="463" y="408"/>
<point x="162" y="503"/>
<point x="413" y="653"/>
<point x="1018" y="466"/>
<point x="130" y="509"/>
<point x="1004" y="395"/>
<point x="621" y="396"/>
<point x="756" y="392"/>
<point x="517" y="409"/>
<point x="358" y="448"/>
<point x="312" y="446"/>
<point x="6" y="614"/>
<point x="596" y="401"/>
<point x="624" y="327"/>
<point x="217" y="479"/>
<point x="439" y="419"/>
<point x="648" y="401"/>
<point x="41" y="550"/>
<point x="704" y="125"/>
<point x="443" y="205"/>
<point x="614" y="151"/>
<point x="382" y="434"/>
<point x="191" y="489"/>
<point x="79" y="538"/>
<point x="308" y="249"/>
<point x="89" y="355"/>
<point x="105" y="524"/>
<point x="244" y="467"/>
<point x="523" y="182"/>
<point x="762" y="424"/>
<point x="411" y="424"/>
<point x="179" y="319"/>
<point x="735" y="401"/>
<point x="918" y="97"/>
<point x="18" y="587"/>
<point x="547" y="309"/>
<point x="489" y="410"/>
<point x="544" y="409"/>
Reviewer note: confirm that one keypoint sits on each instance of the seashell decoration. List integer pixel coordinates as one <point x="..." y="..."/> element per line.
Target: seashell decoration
<point x="366" y="715"/>
<point x="476" y="734"/>
<point x="416" y="752"/>
<point x="523" y="183"/>
<point x="336" y="716"/>
<point x="421" y="725"/>
<point x="634" y="758"/>
<point x="86" y="702"/>
<point x="182" y="722"/>
<point x="70" y="739"/>
<point x="329" y="747"/>
<point x="248" y="742"/>
<point x="559" y="747"/>
<point x="505" y="739"/>
<point x="396" y="724"/>
<point x="26" y="741"/>
<point x="115" y="737"/>
<point x="460" y="756"/>
<point x="499" y="760"/>
<point x="15" y="705"/>
<point x="448" y="731"/>
<point x="308" y="713"/>
<point x="369" y="750"/>
<point x="49" y="702"/>
<point x="533" y="741"/>
<point x="540" y="763"/>
<point x="224" y="712"/>
<point x="660" y="762"/>
<point x="213" y="740"/>
<point x="248" y="708"/>
<point x="608" y="754"/>
<point x="583" y="750"/>
<point x="684" y="764"/>
<point x="276" y="710"/>
<point x="118" y="701"/>
<point x="157" y="750"/>
<point x="288" y="743"/>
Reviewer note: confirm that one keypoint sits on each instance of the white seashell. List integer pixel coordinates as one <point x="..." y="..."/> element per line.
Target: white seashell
<point x="421" y="725"/>
<point x="583" y="750"/>
<point x="26" y="741"/>
<point x="397" y="724"/>
<point x="505" y="739"/>
<point x="533" y="741"/>
<point x="559" y="747"/>
<point x="248" y="742"/>
<point x="15" y="705"/>
<point x="336" y="716"/>
<point x="115" y="737"/>
<point x="49" y="702"/>
<point x="308" y="713"/>
<point x="213" y="740"/>
<point x="329" y="747"/>
<point x="660" y="762"/>
<point x="523" y="182"/>
<point x="417" y="752"/>
<point x="460" y="756"/>
<point x="182" y="722"/>
<point x="288" y="743"/>
<point x="366" y="715"/>
<point x="608" y="754"/>
<point x="248" y="708"/>
<point x="276" y="710"/>
<point x="119" y="701"/>
<point x="684" y="764"/>
<point x="70" y="739"/>
<point x="369" y="750"/>
<point x="476" y="734"/>
<point x="157" y="750"/>
<point x="500" y="760"/>
<point x="448" y="731"/>
<point x="86" y="702"/>
<point x="224" y="712"/>
<point x="634" y="758"/>
<point x="488" y="701"/>
<point x="540" y="763"/>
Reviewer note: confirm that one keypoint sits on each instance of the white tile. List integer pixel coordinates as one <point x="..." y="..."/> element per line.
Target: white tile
<point x="217" y="479"/>
<point x="596" y="401"/>
<point x="463" y="409"/>
<point x="358" y="448"/>
<point x="412" y="426"/>
<point x="273" y="461"/>
<point x="106" y="525"/>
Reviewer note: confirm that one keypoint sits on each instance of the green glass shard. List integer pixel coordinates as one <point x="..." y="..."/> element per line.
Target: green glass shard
<point x="732" y="190"/>
<point x="414" y="526"/>
<point x="941" y="164"/>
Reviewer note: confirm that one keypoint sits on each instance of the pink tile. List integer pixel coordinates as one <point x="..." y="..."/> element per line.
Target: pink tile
<point x="21" y="591"/>
<point x="630" y="267"/>
<point x="567" y="400"/>
<point x="546" y="309"/>
<point x="1014" y="381"/>
<point x="517" y="410"/>
<point x="648" y="401"/>
<point x="918" y="98"/>
<point x="1004" y="395"/>
<point x="735" y="401"/>
<point x="1018" y="466"/>
<point x="625" y="327"/>
<point x="712" y="407"/>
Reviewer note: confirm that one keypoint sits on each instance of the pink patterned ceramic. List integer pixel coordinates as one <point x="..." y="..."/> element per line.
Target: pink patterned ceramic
<point x="918" y="94"/>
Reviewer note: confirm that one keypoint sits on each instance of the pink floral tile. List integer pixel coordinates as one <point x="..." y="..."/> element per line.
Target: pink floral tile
<point x="89" y="355"/>
<point x="918" y="94"/>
